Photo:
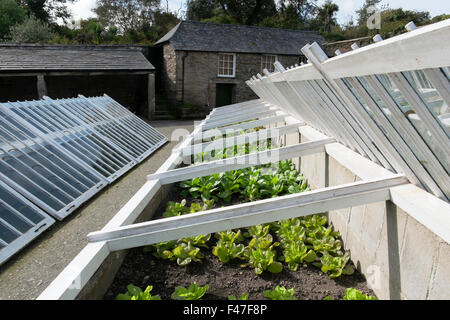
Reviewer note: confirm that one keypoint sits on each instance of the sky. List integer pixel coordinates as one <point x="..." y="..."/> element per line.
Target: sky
<point x="83" y="8"/>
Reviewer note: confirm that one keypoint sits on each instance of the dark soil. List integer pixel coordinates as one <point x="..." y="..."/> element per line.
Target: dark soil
<point x="309" y="283"/>
<point x="143" y="269"/>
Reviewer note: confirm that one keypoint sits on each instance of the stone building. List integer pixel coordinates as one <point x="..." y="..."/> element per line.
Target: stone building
<point x="29" y="71"/>
<point x="204" y="65"/>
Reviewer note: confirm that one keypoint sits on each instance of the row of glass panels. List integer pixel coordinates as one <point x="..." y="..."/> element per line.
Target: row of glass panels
<point x="58" y="153"/>
<point x="398" y="120"/>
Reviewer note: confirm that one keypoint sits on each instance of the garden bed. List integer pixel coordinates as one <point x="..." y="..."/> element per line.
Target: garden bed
<point x="309" y="274"/>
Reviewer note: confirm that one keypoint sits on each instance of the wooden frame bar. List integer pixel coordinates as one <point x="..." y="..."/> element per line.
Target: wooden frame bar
<point x="240" y="139"/>
<point x="241" y="126"/>
<point x="240" y="162"/>
<point x="238" y="118"/>
<point x="247" y="214"/>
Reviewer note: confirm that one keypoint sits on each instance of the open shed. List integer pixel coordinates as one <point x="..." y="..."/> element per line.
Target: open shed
<point x="29" y="71"/>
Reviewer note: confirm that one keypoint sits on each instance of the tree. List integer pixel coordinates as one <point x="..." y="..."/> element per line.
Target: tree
<point x="31" y="30"/>
<point x="326" y="16"/>
<point x="126" y="15"/>
<point x="393" y="21"/>
<point x="47" y="10"/>
<point x="365" y="11"/>
<point x="201" y="9"/>
<point x="248" y="12"/>
<point x="10" y="14"/>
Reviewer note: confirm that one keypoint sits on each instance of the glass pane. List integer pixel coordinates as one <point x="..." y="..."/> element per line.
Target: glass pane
<point x="431" y="97"/>
<point x="413" y="118"/>
<point x="6" y="234"/>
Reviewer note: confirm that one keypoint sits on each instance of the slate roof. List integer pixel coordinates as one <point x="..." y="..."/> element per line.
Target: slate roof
<point x="215" y="37"/>
<point x="71" y="58"/>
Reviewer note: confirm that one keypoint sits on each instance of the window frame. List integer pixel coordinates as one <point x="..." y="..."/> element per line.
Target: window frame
<point x="264" y="62"/>
<point x="218" y="65"/>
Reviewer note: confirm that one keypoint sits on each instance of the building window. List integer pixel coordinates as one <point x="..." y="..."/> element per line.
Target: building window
<point x="267" y="62"/>
<point x="227" y="65"/>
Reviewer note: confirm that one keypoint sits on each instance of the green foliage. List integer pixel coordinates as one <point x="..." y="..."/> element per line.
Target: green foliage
<point x="31" y="30"/>
<point x="136" y="293"/>
<point x="280" y="293"/>
<point x="179" y="208"/>
<point x="261" y="255"/>
<point x="354" y="294"/>
<point x="194" y="292"/>
<point x="10" y="14"/>
<point x="335" y="266"/>
<point x="295" y="253"/>
<point x="227" y="246"/>
<point x="185" y="253"/>
<point x="244" y="296"/>
<point x="248" y="184"/>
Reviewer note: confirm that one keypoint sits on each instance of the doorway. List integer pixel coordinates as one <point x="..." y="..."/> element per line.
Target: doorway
<point x="224" y="94"/>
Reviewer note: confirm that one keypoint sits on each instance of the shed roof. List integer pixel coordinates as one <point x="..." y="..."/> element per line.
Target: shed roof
<point x="71" y="58"/>
<point x="215" y="37"/>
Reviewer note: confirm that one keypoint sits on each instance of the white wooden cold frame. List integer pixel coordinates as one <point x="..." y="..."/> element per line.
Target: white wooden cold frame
<point x="321" y="96"/>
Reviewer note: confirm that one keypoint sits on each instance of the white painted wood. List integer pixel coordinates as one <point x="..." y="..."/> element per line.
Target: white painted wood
<point x="68" y="284"/>
<point x="236" y="107"/>
<point x="238" y="118"/>
<point x="247" y="214"/>
<point x="240" y="162"/>
<point x="241" y="126"/>
<point x="397" y="147"/>
<point x="242" y="112"/>
<point x="240" y="139"/>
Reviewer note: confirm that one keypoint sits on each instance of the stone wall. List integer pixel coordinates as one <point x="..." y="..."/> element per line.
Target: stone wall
<point x="169" y="74"/>
<point x="200" y="76"/>
<point x="400" y="258"/>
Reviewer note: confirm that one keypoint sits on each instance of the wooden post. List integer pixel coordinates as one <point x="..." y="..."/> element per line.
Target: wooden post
<point x="151" y="96"/>
<point x="41" y="86"/>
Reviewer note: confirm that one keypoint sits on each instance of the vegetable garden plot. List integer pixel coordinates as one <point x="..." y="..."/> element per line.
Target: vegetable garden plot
<point x="298" y="253"/>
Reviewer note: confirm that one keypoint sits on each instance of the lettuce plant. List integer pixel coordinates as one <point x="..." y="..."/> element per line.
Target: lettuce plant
<point x="354" y="294"/>
<point x="200" y="240"/>
<point x="136" y="293"/>
<point x="261" y="255"/>
<point x="185" y="253"/>
<point x="194" y="292"/>
<point x="280" y="293"/>
<point x="335" y="266"/>
<point x="244" y="296"/>
<point x="175" y="209"/>
<point x="227" y="247"/>
<point x="295" y="253"/>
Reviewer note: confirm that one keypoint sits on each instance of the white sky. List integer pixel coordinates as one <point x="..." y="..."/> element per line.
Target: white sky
<point x="83" y="8"/>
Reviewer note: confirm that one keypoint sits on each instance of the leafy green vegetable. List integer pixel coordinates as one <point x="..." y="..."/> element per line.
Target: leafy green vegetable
<point x="227" y="247"/>
<point x="295" y="253"/>
<point x="200" y="240"/>
<point x="194" y="292"/>
<point x="136" y="293"/>
<point x="244" y="296"/>
<point x="354" y="294"/>
<point x="335" y="265"/>
<point x="185" y="253"/>
<point x="280" y="293"/>
<point x="261" y="255"/>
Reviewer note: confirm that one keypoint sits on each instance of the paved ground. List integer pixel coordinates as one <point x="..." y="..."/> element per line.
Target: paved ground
<point x="29" y="272"/>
